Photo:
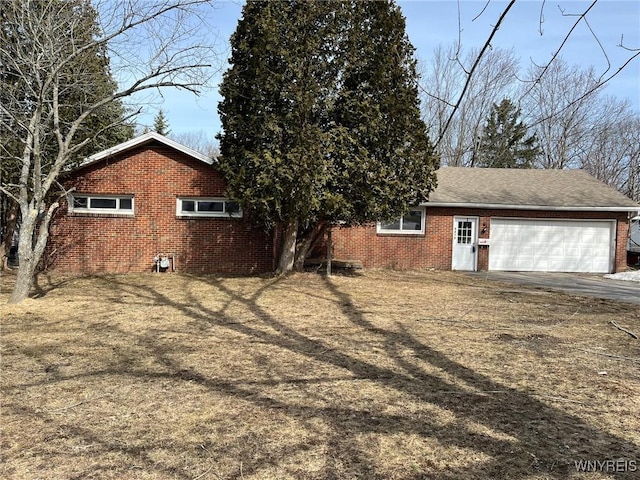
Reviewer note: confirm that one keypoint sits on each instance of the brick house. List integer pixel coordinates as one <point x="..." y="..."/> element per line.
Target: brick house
<point x="151" y="203"/>
<point x="502" y="219"/>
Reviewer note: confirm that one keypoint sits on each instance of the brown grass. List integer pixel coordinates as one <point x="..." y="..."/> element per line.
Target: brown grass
<point x="386" y="375"/>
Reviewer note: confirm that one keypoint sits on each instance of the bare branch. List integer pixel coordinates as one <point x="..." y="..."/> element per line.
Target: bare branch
<point x="459" y="44"/>
<point x="8" y="193"/>
<point x="595" y="37"/>
<point x="581" y="94"/>
<point x="599" y="85"/>
<point x="541" y="20"/>
<point x="564" y="41"/>
<point x="470" y="74"/>
<point x="621" y="45"/>
<point x="481" y="11"/>
<point x="435" y="97"/>
<point x="629" y="332"/>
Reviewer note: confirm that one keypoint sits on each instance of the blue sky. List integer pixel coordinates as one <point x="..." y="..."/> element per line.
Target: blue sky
<point x="430" y="23"/>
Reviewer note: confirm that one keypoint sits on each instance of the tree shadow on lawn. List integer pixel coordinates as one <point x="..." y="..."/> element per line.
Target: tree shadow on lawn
<point x="547" y="440"/>
<point x="539" y="428"/>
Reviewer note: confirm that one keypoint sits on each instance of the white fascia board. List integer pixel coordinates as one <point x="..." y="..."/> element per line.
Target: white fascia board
<point x="499" y="206"/>
<point x="140" y="140"/>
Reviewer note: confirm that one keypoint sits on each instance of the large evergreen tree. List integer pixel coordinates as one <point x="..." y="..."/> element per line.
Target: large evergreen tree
<point x="321" y="120"/>
<point x="504" y="142"/>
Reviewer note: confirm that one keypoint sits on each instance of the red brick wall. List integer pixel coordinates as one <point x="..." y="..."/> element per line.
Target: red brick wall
<point x="156" y="176"/>
<point x="433" y="249"/>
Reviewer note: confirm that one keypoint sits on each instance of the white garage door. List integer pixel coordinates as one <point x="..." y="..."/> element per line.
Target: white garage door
<point x="544" y="245"/>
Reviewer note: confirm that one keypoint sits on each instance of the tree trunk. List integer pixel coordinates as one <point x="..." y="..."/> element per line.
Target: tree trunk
<point x="34" y="232"/>
<point x="26" y="257"/>
<point x="4" y="253"/>
<point x="288" y="249"/>
<point x="11" y="219"/>
<point x="306" y="244"/>
<point x="329" y="251"/>
<point x="24" y="281"/>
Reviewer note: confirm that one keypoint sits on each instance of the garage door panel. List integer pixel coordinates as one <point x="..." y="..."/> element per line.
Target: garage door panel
<point x="525" y="264"/>
<point x="555" y="265"/>
<point x="540" y="264"/>
<point x="572" y="252"/>
<point x="556" y="250"/>
<point x="600" y="259"/>
<point x="550" y="233"/>
<point x="500" y="264"/>
<point x="574" y="264"/>
<point x="551" y="245"/>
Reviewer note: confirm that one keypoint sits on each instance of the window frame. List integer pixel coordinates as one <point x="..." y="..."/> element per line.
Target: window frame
<point x="118" y="210"/>
<point x="207" y="213"/>
<point x="423" y="220"/>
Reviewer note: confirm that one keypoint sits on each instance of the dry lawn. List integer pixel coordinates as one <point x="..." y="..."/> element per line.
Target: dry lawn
<point x="384" y="375"/>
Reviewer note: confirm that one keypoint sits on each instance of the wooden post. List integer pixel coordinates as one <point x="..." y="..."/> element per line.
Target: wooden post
<point x="329" y="253"/>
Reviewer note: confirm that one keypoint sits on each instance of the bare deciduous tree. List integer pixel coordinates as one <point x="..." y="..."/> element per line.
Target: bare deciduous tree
<point x="199" y="141"/>
<point x="581" y="127"/>
<point x="448" y="102"/>
<point x="560" y="121"/>
<point x="442" y="83"/>
<point x="613" y="153"/>
<point x="150" y="45"/>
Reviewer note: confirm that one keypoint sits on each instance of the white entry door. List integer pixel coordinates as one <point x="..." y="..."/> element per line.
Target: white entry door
<point x="465" y="243"/>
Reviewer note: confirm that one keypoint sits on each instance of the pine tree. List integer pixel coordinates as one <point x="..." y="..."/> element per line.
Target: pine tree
<point x="160" y="124"/>
<point x="321" y="119"/>
<point x="504" y="143"/>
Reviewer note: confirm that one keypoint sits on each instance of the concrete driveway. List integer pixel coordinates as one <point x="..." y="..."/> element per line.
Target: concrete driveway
<point x="574" y="283"/>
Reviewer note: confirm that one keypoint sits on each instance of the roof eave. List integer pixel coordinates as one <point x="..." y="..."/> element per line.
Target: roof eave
<point x="141" y="140"/>
<point x="563" y="208"/>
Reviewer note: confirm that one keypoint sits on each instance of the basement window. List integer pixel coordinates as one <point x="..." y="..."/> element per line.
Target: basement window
<point x="120" y="204"/>
<point x="207" y="207"/>
<point x="412" y="223"/>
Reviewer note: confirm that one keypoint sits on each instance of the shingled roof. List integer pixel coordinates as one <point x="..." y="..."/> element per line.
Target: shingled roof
<point x="526" y="189"/>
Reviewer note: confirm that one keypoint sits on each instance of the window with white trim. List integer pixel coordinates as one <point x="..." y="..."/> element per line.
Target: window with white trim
<point x="412" y="223"/>
<point x="207" y="207"/>
<point x="120" y="204"/>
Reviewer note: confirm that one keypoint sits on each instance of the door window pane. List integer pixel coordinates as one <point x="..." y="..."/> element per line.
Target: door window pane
<point x="464" y="232"/>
